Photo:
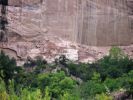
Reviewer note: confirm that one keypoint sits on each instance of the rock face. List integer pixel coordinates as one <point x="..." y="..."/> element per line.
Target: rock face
<point x="90" y="22"/>
<point x="46" y="27"/>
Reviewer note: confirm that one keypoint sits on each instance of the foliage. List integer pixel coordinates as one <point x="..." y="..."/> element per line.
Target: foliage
<point x="39" y="64"/>
<point x="103" y="97"/>
<point x="113" y="84"/>
<point x="57" y="83"/>
<point x="114" y="65"/>
<point x="38" y="80"/>
<point x="92" y="87"/>
<point x="116" y="53"/>
<point x="83" y="71"/>
<point x="68" y="96"/>
<point x="8" y="67"/>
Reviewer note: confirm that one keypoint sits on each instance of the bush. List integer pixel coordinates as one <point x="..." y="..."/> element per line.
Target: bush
<point x="103" y="97"/>
<point x="58" y="83"/>
<point x="98" y="80"/>
<point x="8" y="68"/>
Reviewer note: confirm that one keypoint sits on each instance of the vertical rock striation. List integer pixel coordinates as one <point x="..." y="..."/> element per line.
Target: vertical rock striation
<point x="89" y="22"/>
<point x="104" y="22"/>
<point x="3" y="21"/>
<point x="41" y="28"/>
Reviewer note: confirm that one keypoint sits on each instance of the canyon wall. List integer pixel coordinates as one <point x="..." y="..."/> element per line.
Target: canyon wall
<point x="50" y="28"/>
<point x="92" y="22"/>
<point x="105" y="22"/>
<point x="89" y="22"/>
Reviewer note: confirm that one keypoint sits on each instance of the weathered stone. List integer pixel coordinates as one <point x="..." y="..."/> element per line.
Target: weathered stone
<point x="90" y="22"/>
<point x="47" y="24"/>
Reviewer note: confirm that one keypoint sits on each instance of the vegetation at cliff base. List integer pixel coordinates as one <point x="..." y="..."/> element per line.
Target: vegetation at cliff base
<point x="106" y="79"/>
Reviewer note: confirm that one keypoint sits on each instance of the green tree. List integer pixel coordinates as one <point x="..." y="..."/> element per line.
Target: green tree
<point x="3" y="93"/>
<point x="113" y="84"/>
<point x="7" y="67"/>
<point x="58" y="83"/>
<point x="68" y="96"/>
<point x="92" y="87"/>
<point x="47" y="94"/>
<point x="103" y="97"/>
<point x="114" y="65"/>
<point x="116" y="53"/>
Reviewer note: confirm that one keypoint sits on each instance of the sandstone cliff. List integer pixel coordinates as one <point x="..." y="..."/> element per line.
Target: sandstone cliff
<point x="46" y="27"/>
<point x="91" y="22"/>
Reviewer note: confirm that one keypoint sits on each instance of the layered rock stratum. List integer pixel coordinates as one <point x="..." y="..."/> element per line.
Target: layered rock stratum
<point x="76" y="28"/>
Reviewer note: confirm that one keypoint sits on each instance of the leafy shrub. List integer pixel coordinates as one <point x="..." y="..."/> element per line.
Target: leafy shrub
<point x="58" y="83"/>
<point x="103" y="97"/>
<point x="8" y="68"/>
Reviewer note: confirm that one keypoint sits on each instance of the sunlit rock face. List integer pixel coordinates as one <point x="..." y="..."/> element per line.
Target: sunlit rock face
<point x="105" y="22"/>
<point x="53" y="27"/>
<point x="89" y="22"/>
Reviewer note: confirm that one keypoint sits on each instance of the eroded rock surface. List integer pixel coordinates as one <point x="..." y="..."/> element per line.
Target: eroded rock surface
<point x="46" y="27"/>
<point x="90" y="22"/>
